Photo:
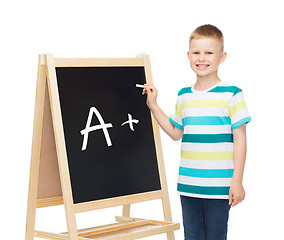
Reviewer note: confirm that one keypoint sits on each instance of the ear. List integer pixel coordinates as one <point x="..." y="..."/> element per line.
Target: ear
<point x="223" y="57"/>
<point x="188" y="55"/>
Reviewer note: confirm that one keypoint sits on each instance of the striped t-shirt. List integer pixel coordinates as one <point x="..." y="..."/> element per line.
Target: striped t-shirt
<point x="208" y="119"/>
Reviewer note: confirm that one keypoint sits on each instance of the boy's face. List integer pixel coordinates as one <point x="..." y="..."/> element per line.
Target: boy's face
<point x="205" y="55"/>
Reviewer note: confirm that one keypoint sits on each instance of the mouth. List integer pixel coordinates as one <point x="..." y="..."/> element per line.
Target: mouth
<point x="202" y="66"/>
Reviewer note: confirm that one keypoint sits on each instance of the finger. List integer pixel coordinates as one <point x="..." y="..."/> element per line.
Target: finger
<point x="235" y="202"/>
<point x="145" y="89"/>
<point x="231" y="199"/>
<point x="148" y="90"/>
<point x="154" y="89"/>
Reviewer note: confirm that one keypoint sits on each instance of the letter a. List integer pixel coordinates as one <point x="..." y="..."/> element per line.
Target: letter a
<point x="102" y="126"/>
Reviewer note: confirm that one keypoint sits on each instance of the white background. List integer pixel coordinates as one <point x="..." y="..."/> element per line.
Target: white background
<point x="254" y="39"/>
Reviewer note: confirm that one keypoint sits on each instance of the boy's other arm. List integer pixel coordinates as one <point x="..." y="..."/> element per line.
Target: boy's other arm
<point x="160" y="116"/>
<point x="237" y="192"/>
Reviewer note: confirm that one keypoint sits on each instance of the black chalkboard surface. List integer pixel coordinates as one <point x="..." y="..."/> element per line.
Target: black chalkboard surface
<point x="117" y="157"/>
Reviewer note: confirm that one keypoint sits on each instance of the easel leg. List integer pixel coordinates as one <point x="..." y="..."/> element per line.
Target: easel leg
<point x="35" y="156"/>
<point x="60" y="149"/>
<point x="31" y="212"/>
<point x="168" y="215"/>
<point x="171" y="236"/>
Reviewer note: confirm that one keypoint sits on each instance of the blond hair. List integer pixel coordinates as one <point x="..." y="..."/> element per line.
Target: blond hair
<point x="208" y="31"/>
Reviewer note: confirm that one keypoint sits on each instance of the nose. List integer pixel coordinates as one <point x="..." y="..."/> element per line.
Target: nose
<point x="201" y="57"/>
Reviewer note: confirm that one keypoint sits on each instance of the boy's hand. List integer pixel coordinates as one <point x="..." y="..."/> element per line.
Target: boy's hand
<point x="162" y="119"/>
<point x="236" y="193"/>
<point x="151" y="95"/>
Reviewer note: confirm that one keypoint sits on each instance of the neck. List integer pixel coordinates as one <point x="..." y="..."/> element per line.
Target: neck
<point x="203" y="83"/>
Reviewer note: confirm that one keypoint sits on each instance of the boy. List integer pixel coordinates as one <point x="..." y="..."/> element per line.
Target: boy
<point x="211" y="119"/>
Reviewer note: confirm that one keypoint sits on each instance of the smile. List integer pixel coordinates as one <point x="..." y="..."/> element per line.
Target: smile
<point x="202" y="66"/>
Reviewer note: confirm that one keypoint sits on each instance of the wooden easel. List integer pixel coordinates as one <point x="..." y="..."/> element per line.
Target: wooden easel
<point x="49" y="174"/>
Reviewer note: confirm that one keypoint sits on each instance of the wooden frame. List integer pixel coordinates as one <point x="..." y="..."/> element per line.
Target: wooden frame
<point x="49" y="174"/>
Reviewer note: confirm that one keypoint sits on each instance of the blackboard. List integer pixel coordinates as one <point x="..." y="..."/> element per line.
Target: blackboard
<point x="126" y="163"/>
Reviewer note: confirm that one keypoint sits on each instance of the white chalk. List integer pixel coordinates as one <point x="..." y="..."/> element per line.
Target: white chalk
<point x="142" y="86"/>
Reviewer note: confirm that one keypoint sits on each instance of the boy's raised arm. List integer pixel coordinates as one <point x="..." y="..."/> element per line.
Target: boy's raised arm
<point x="160" y="116"/>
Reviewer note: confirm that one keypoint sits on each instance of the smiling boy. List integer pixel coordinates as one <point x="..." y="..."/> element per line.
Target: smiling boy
<point x="211" y="118"/>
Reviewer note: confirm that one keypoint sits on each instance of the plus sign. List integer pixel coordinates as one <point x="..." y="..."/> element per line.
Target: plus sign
<point x="130" y="122"/>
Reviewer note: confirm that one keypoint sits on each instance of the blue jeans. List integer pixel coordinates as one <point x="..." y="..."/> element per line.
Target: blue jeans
<point x="205" y="219"/>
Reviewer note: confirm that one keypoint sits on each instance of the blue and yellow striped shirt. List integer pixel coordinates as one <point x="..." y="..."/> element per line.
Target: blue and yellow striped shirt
<point x="208" y="119"/>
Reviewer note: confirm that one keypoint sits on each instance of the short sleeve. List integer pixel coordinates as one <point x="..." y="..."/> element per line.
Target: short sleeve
<point x="176" y="118"/>
<point x="238" y="111"/>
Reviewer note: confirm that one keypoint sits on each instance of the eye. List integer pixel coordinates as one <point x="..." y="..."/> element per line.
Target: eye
<point x="195" y="52"/>
<point x="209" y="53"/>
